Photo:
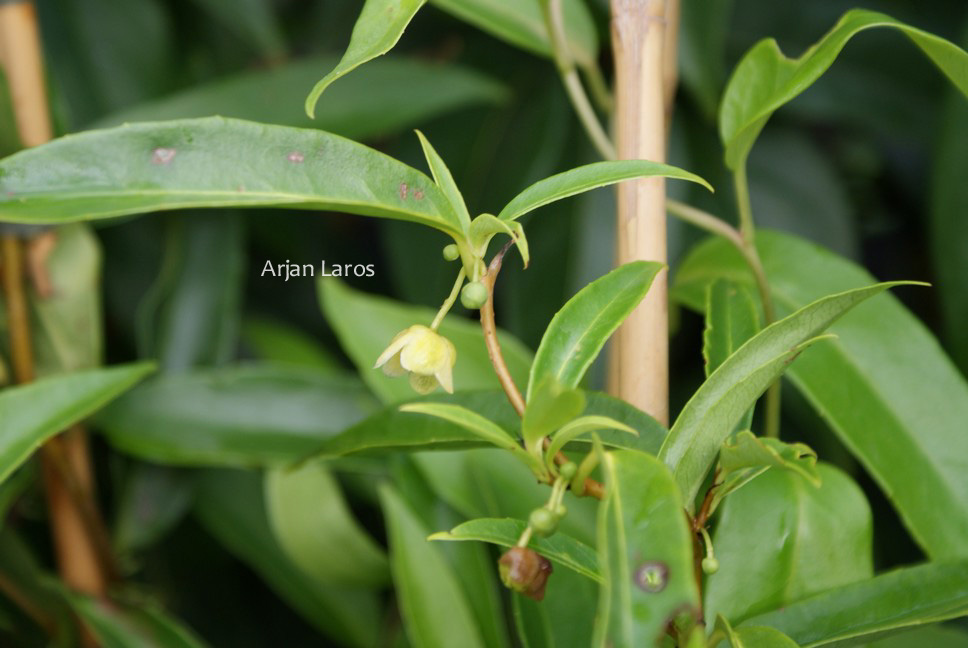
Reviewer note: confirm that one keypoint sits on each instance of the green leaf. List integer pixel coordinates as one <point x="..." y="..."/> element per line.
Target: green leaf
<point x="719" y="404"/>
<point x="888" y="603"/>
<point x="580" y="426"/>
<point x="365" y="324"/>
<point x="212" y="162"/>
<point x="229" y="504"/>
<point x="275" y="341"/>
<point x="521" y="23"/>
<point x="190" y="317"/>
<point x="445" y="181"/>
<point x="377" y="30"/>
<point x="152" y="501"/>
<point x="746" y="456"/>
<point x="382" y="98"/>
<point x="589" y="176"/>
<point x="731" y="319"/>
<point x="751" y="637"/>
<point x="485" y="226"/>
<point x="645" y="552"/>
<point x="946" y="226"/>
<point x="559" y="548"/>
<point x="66" y="324"/>
<point x="236" y="416"/>
<point x="899" y="408"/>
<point x="781" y="539"/>
<point x="579" y="330"/>
<point x="467" y="419"/>
<point x="115" y="626"/>
<point x="316" y="529"/>
<point x="434" y="610"/>
<point x="550" y="407"/>
<point x="390" y="429"/>
<point x="765" y="78"/>
<point x="31" y="414"/>
<point x="252" y="21"/>
<point x="936" y="636"/>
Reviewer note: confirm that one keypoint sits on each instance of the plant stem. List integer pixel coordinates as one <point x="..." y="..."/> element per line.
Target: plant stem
<point x="601" y="94"/>
<point x="490" y="334"/>
<point x="449" y="302"/>
<point x="76" y="549"/>
<point x="746" y="248"/>
<point x="747" y="228"/>
<point x="555" y="23"/>
<point x="489" y="327"/>
<point x="640" y="352"/>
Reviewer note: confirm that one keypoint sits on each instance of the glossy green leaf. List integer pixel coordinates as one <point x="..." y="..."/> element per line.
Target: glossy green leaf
<point x="720" y="403"/>
<point x="377" y="30"/>
<point x="645" y="552"/>
<point x="66" y="324"/>
<point x="212" y="162"/>
<point x="229" y="504"/>
<point x="899" y="408"/>
<point x="316" y="529"/>
<point x="581" y="426"/>
<point x="152" y="501"/>
<point x="888" y="603"/>
<point x="485" y="226"/>
<point x="746" y="456"/>
<point x="381" y="98"/>
<point x="587" y="177"/>
<point x="765" y="78"/>
<point x="434" y="610"/>
<point x="558" y="548"/>
<point x="947" y="228"/>
<point x="190" y="316"/>
<point x="276" y="341"/>
<point x="521" y="23"/>
<point x="236" y="416"/>
<point x="147" y="626"/>
<point x="467" y="419"/>
<point x="580" y="329"/>
<point x="252" y="21"/>
<point x="31" y="414"/>
<point x="780" y="539"/>
<point x="365" y="324"/>
<point x="751" y="637"/>
<point x="444" y="180"/>
<point x="731" y="319"/>
<point x="390" y="429"/>
<point x="551" y="406"/>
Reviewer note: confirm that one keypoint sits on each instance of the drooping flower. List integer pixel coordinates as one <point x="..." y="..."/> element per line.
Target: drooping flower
<point x="526" y="571"/>
<point x="424" y="355"/>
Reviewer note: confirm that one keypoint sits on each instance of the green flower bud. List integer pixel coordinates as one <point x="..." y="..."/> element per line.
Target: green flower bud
<point x="451" y="252"/>
<point x="568" y="470"/>
<point x="543" y="521"/>
<point x="473" y="295"/>
<point x="710" y="565"/>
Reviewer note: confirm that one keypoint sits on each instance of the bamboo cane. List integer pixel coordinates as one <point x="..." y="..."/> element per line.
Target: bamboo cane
<point x="641" y="355"/>
<point x="75" y="545"/>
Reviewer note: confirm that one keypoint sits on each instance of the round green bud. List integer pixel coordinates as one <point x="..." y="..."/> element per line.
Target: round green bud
<point x="568" y="470"/>
<point x="710" y="565"/>
<point x="451" y="252"/>
<point x="560" y="511"/>
<point x="473" y="295"/>
<point x="543" y="521"/>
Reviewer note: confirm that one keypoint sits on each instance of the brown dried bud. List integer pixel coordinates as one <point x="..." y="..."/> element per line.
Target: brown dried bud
<point x="525" y="571"/>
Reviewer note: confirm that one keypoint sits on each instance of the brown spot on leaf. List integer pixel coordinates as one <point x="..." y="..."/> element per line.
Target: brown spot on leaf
<point x="418" y="194"/>
<point x="403" y="191"/>
<point x="162" y="156"/>
<point x="295" y="157"/>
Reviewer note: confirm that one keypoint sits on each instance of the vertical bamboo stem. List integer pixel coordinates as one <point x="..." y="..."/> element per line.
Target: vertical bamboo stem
<point x="641" y="354"/>
<point x="75" y="545"/>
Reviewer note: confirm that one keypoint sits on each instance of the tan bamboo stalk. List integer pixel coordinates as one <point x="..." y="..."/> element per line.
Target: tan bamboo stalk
<point x="79" y="561"/>
<point x="641" y="354"/>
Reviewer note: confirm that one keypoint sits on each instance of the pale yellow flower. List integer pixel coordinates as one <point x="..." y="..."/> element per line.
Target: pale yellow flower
<point x="423" y="354"/>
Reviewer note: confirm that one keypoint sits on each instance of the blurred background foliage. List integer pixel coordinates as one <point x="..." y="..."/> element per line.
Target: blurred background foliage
<point x="850" y="165"/>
